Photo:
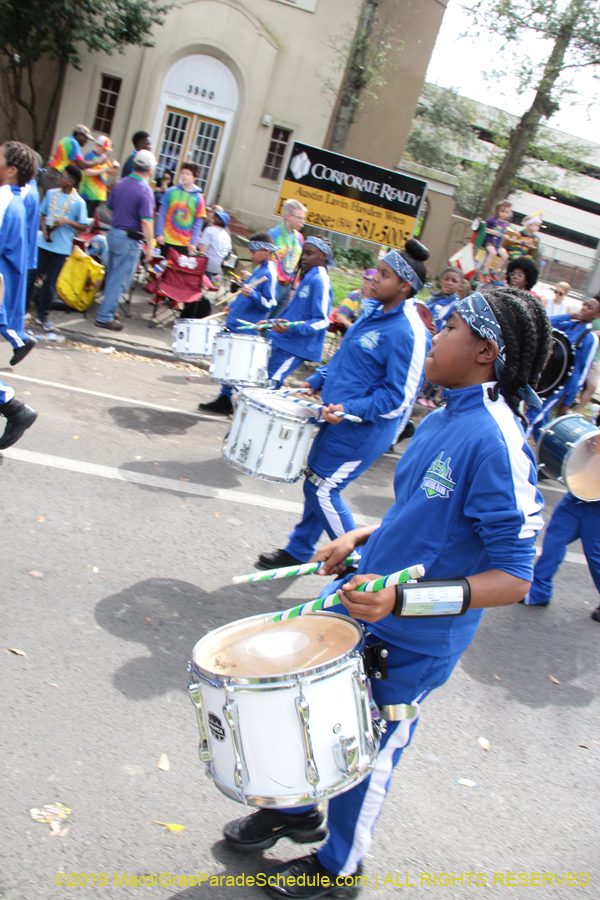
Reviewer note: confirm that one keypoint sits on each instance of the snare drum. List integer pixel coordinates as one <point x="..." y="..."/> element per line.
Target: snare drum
<point x="270" y="436"/>
<point x="240" y="359"/>
<point x="195" y="338"/>
<point x="569" y="450"/>
<point x="283" y="708"/>
<point x="559" y="367"/>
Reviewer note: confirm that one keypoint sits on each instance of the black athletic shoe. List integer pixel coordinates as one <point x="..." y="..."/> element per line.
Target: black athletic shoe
<point x="222" y="405"/>
<point x="263" y="829"/>
<point x="21" y="352"/>
<point x="316" y="881"/>
<point x="16" y="425"/>
<point x="596" y="615"/>
<point x="276" y="560"/>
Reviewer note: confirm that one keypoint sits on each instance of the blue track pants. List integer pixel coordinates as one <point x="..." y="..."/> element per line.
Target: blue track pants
<point x="282" y="364"/>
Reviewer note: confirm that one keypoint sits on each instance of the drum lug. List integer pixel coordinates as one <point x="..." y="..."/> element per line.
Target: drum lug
<point x="368" y="744"/>
<point x="264" y="447"/>
<point x="244" y="451"/>
<point x="196" y="698"/>
<point x="312" y="773"/>
<point x="230" y="711"/>
<point x="346" y="755"/>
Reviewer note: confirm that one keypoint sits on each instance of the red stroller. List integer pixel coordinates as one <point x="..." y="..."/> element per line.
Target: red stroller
<point x="182" y="282"/>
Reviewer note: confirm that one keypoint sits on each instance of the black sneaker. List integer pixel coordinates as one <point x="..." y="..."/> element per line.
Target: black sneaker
<point x="276" y="560"/>
<point x="16" y="425"/>
<point x="222" y="405"/>
<point x="596" y="615"/>
<point x="263" y="829"/>
<point x="317" y="881"/>
<point x="21" y="352"/>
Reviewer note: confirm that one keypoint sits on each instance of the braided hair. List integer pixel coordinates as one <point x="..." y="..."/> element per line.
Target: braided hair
<point x="527" y="334"/>
<point x="23" y="158"/>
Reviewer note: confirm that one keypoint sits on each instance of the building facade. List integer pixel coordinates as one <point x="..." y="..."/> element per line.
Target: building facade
<point x="231" y="85"/>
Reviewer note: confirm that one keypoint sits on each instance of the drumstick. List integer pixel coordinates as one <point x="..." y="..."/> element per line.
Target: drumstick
<point x="251" y="283"/>
<point x="283" y="392"/>
<point x="269" y="324"/>
<point x="214" y="316"/>
<point x="287" y="571"/>
<point x="320" y="406"/>
<point x="333" y="600"/>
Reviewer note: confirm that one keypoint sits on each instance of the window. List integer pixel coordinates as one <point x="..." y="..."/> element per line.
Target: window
<point x="279" y="141"/>
<point x="107" y="104"/>
<point x="173" y="140"/>
<point x="204" y="149"/>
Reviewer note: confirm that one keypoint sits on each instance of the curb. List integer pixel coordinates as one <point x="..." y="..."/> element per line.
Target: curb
<point x="126" y="347"/>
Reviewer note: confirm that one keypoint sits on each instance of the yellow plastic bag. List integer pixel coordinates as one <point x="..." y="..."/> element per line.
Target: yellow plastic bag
<point x="79" y="280"/>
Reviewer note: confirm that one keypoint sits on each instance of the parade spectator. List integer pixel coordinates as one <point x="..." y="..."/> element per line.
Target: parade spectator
<point x="441" y="305"/>
<point x="525" y="241"/>
<point x="182" y="212"/>
<point x="62" y="213"/>
<point x="558" y="306"/>
<point x="353" y="306"/>
<point x="93" y="183"/>
<point x="166" y="180"/>
<point x="67" y="151"/>
<point x="141" y="141"/>
<point x="215" y="243"/>
<point x="522" y="273"/>
<point x="30" y="196"/>
<point x="289" y="241"/>
<point x="495" y="229"/>
<point x="132" y="203"/>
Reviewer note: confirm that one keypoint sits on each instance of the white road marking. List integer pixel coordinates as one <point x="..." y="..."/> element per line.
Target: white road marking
<point x="168" y="484"/>
<point x="69" y="387"/>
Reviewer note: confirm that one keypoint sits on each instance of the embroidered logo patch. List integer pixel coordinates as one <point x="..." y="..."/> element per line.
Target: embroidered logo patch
<point x="438" y="478"/>
<point x="370" y="340"/>
<point x="304" y="291"/>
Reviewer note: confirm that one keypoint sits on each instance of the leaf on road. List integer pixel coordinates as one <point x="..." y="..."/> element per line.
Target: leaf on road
<point x="138" y="457"/>
<point x="75" y="437"/>
<point x="466" y="782"/>
<point x="585" y="746"/>
<point x="40" y="518"/>
<point x="36" y="574"/>
<point x="95" y="570"/>
<point x="50" y="812"/>
<point x="170" y="826"/>
<point x="552" y="678"/>
<point x="217" y="515"/>
<point x="147" y="619"/>
<point x="497" y="677"/>
<point x="164" y="763"/>
<point x="15" y="651"/>
<point x="484" y="743"/>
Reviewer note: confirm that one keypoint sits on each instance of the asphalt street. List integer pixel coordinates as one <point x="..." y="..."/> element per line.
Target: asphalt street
<point x="121" y="530"/>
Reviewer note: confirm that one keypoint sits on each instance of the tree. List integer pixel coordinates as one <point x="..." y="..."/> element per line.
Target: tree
<point x="572" y="30"/>
<point x="363" y="59"/>
<point x="33" y="30"/>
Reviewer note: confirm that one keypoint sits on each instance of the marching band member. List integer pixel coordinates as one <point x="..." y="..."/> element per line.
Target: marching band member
<point x="468" y="509"/>
<point x="578" y="328"/>
<point x="441" y="304"/>
<point x="251" y="304"/>
<point x="375" y="375"/>
<point x="308" y="310"/>
<point x="17" y="168"/>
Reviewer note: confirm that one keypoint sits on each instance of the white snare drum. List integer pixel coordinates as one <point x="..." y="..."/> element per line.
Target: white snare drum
<point x="283" y="708"/>
<point x="240" y="359"/>
<point x="270" y="436"/>
<point x="195" y="338"/>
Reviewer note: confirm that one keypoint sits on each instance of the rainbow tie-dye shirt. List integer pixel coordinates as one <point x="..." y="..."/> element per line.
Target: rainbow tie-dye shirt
<point x="93" y="187"/>
<point x="180" y="216"/>
<point x="67" y="150"/>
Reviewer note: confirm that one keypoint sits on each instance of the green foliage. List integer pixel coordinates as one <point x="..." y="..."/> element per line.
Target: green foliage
<point x="60" y="29"/>
<point x="354" y="257"/>
<point x="342" y="283"/>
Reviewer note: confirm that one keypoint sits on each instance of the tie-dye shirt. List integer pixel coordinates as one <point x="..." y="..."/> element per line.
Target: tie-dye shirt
<point x="93" y="187"/>
<point x="289" y="249"/>
<point x="68" y="150"/>
<point x="180" y="216"/>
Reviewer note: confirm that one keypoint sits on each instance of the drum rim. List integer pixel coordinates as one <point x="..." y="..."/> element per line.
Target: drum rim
<point x="567" y="371"/>
<point x="218" y="325"/>
<point x="255" y="681"/>
<point x="243" y="337"/>
<point x="570" y="450"/>
<point x="272" y="411"/>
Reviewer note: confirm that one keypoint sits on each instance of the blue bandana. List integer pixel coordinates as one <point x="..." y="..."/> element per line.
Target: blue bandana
<point x="323" y="246"/>
<point x="402" y="269"/>
<point x="478" y="314"/>
<point x="262" y="245"/>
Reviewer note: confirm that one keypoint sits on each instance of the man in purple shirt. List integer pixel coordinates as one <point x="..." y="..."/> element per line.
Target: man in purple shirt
<point x="132" y="204"/>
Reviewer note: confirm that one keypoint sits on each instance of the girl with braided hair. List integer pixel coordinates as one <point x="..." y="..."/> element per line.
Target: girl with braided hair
<point x="467" y="509"/>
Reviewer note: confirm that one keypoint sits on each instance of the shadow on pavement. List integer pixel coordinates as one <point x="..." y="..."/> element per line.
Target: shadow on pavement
<point x="523" y="646"/>
<point x="169" y="616"/>
<point x="234" y="865"/>
<point x="210" y="472"/>
<point x="152" y="421"/>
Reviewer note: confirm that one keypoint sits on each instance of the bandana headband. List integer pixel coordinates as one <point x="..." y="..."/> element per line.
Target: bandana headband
<point x="262" y="245"/>
<point x="321" y="245"/>
<point x="402" y="269"/>
<point x="479" y="315"/>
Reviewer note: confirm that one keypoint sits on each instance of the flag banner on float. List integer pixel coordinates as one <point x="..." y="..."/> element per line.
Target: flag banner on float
<point x="352" y="197"/>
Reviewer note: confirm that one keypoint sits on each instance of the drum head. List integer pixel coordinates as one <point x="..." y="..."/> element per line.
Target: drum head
<point x="559" y="367"/>
<point x="255" y="648"/>
<point x="582" y="468"/>
<point x="283" y="405"/>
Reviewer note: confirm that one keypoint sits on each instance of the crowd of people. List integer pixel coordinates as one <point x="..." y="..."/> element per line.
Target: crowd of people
<point x="467" y="503"/>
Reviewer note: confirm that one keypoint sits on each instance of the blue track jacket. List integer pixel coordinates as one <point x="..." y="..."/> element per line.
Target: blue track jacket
<point x="261" y="300"/>
<point x="584" y="355"/>
<point x="466" y="501"/>
<point x="310" y="304"/>
<point x="441" y="306"/>
<point x="13" y="257"/>
<point x="375" y="374"/>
